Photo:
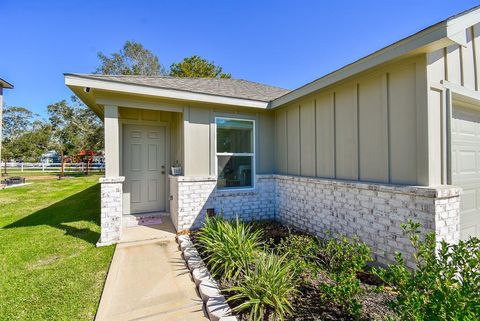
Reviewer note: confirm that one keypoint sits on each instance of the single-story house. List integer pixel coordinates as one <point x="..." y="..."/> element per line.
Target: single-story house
<point x="392" y="136"/>
<point x="50" y="157"/>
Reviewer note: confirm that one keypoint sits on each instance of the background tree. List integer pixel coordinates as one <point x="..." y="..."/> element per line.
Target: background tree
<point x="25" y="136"/>
<point x="196" y="66"/>
<point x="132" y="59"/>
<point x="71" y="126"/>
<point x="75" y="127"/>
<point x="29" y="146"/>
<point x="16" y="121"/>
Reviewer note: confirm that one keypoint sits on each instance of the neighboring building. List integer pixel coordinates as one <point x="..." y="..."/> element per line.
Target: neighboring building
<point x="3" y="84"/>
<point x="99" y="158"/>
<point x="392" y="136"/>
<point x="50" y="157"/>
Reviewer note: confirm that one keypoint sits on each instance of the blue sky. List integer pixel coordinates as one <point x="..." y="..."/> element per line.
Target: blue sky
<point x="282" y="43"/>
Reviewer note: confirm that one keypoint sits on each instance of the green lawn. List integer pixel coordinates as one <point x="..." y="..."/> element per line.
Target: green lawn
<point x="50" y="268"/>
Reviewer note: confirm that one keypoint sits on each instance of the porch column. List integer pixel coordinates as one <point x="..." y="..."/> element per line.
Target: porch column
<point x="112" y="142"/>
<point x="112" y="183"/>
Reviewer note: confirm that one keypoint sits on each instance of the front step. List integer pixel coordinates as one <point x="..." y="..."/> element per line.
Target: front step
<point x="146" y="219"/>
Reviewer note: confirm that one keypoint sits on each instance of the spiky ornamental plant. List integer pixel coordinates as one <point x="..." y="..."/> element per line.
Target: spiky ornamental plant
<point x="267" y="289"/>
<point x="230" y="246"/>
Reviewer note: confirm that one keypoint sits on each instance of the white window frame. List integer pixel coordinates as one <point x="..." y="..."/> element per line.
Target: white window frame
<point x="254" y="170"/>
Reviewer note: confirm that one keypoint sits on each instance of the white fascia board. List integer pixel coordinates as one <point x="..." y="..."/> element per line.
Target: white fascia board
<point x="396" y="50"/>
<point x="452" y="29"/>
<point x="456" y="26"/>
<point x="71" y="80"/>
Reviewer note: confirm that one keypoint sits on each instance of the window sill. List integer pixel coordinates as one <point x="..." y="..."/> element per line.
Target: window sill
<point x="236" y="191"/>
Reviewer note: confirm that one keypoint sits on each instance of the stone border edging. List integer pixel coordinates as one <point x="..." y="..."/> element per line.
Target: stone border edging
<point x="215" y="304"/>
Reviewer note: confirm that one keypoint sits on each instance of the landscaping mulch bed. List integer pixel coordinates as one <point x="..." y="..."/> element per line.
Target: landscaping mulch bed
<point x="308" y="305"/>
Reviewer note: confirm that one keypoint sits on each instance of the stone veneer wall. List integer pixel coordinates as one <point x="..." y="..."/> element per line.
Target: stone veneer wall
<point x="192" y="196"/>
<point x="373" y="212"/>
<point x="111" y="210"/>
<point x="325" y="207"/>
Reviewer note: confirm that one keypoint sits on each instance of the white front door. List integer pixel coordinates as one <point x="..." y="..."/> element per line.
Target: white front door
<point x="144" y="165"/>
<point x="466" y="167"/>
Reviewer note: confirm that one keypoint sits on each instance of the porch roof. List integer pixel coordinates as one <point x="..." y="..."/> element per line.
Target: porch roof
<point x="234" y="88"/>
<point x="5" y="84"/>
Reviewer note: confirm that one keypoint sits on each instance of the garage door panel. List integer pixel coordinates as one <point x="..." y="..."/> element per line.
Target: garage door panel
<point x="466" y="232"/>
<point x="466" y="167"/>
<point x="467" y="162"/>
<point x="467" y="129"/>
<point x="469" y="200"/>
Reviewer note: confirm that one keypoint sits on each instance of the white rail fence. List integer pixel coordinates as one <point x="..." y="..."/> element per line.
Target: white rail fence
<point x="53" y="167"/>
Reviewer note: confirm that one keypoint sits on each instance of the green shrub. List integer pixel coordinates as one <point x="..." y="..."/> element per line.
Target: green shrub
<point x="267" y="289"/>
<point x="342" y="260"/>
<point x="345" y="256"/>
<point x="229" y="246"/>
<point x="301" y="249"/>
<point x="445" y="284"/>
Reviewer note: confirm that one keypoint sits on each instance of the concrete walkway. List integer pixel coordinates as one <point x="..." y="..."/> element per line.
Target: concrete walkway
<point x="148" y="279"/>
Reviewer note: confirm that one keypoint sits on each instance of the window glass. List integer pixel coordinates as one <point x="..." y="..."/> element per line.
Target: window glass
<point x="234" y="171"/>
<point x="235" y="154"/>
<point x="234" y="136"/>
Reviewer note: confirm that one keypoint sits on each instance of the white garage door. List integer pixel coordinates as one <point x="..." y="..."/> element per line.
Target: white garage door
<point x="466" y="167"/>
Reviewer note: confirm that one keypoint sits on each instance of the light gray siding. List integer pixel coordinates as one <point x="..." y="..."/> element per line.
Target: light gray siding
<point x="200" y="149"/>
<point x="402" y="126"/>
<point x="307" y="139"/>
<point x="293" y="140"/>
<point x="459" y="66"/>
<point x="325" y="135"/>
<point x="367" y="128"/>
<point x="373" y="130"/>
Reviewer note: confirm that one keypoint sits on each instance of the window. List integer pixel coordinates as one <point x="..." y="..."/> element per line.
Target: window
<point x="235" y="153"/>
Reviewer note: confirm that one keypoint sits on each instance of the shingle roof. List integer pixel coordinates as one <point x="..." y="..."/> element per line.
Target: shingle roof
<point x="236" y="88"/>
<point x="5" y="84"/>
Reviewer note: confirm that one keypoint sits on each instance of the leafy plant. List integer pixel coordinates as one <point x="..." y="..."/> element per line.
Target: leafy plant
<point x="267" y="289"/>
<point x="230" y="246"/>
<point x="445" y="284"/>
<point x="343" y="259"/>
<point x="301" y="249"/>
<point x="344" y="255"/>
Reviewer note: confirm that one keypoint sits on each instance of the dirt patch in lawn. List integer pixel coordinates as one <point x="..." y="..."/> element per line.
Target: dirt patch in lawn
<point x="41" y="177"/>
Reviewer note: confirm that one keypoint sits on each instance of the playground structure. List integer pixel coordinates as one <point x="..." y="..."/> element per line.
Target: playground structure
<point x="85" y="157"/>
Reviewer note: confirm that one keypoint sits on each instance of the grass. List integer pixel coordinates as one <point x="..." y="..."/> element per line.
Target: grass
<point x="50" y="267"/>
